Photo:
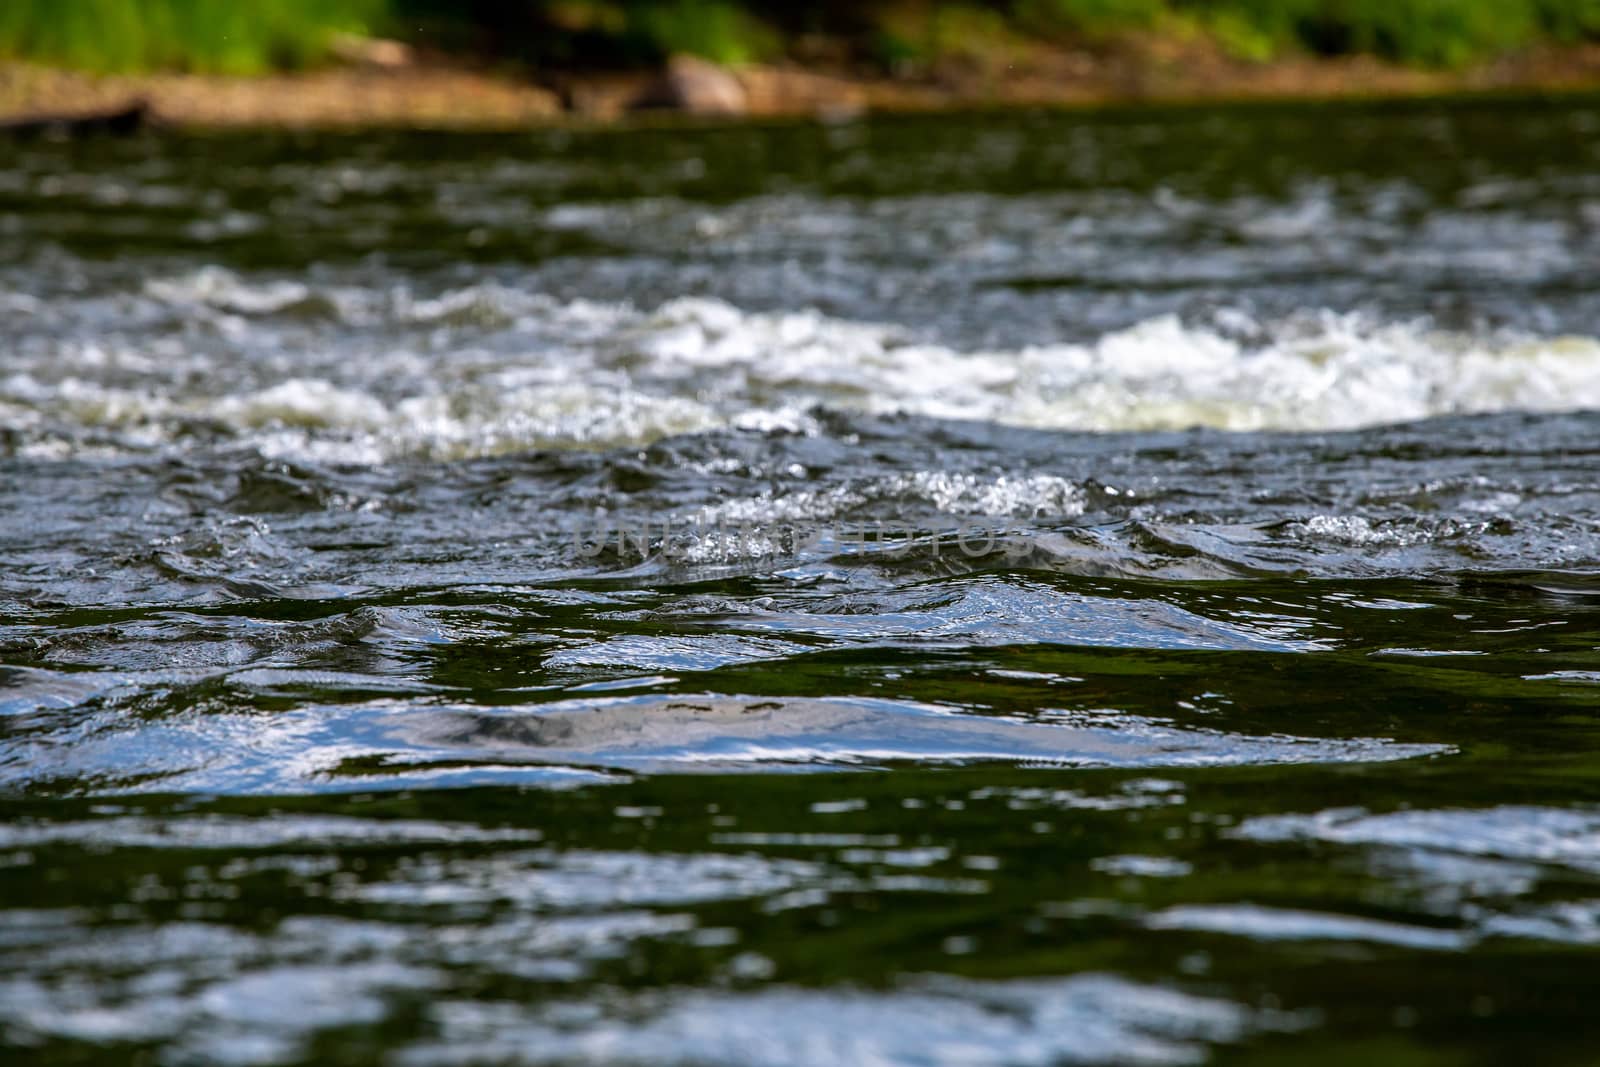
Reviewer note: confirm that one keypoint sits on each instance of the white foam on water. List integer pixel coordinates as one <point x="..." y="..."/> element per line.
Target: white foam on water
<point x="1023" y="496"/>
<point x="367" y="374"/>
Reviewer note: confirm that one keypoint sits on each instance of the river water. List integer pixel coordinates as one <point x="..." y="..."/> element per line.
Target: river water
<point x="1015" y="589"/>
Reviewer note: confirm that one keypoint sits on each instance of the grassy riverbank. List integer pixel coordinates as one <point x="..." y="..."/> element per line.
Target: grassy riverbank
<point x="481" y="63"/>
<point x="252" y="36"/>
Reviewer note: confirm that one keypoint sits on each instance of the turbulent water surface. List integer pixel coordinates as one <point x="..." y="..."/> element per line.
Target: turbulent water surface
<point x="1015" y="589"/>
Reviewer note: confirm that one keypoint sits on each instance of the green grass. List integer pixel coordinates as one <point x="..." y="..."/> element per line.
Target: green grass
<point x="1570" y="20"/>
<point x="1429" y="32"/>
<point x="715" y="29"/>
<point x="250" y="36"/>
<point x="1425" y="32"/>
<point x="1090" y="16"/>
<point x="210" y="36"/>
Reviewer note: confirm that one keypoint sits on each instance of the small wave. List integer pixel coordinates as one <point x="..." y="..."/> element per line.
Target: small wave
<point x="932" y="1021"/>
<point x="390" y="744"/>
<point x="231" y="834"/>
<point x="1556" y="836"/>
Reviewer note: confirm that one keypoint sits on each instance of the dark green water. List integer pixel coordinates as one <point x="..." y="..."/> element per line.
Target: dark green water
<point x="1013" y="589"/>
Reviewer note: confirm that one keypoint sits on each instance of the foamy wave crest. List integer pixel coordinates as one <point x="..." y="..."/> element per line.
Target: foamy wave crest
<point x="366" y="375"/>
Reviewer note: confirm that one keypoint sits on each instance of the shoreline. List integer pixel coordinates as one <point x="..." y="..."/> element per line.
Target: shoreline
<point x="440" y="97"/>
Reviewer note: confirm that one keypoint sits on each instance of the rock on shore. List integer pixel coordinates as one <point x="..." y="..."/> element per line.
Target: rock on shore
<point x="697" y="87"/>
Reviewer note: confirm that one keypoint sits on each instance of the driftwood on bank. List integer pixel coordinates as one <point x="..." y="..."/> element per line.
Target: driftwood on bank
<point x="116" y="122"/>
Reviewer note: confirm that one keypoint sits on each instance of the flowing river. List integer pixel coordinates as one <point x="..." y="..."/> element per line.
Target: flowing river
<point x="1008" y="589"/>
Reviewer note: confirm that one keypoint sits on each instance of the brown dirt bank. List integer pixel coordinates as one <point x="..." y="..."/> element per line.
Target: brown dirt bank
<point x="436" y="96"/>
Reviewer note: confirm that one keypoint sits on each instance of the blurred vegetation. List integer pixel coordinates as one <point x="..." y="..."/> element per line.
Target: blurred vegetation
<point x="603" y="33"/>
<point x="1435" y="32"/>
<point x="210" y="36"/>
<point x="249" y="36"/>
